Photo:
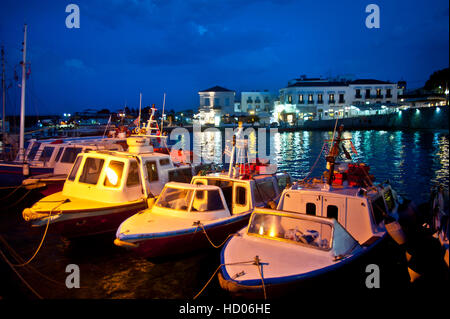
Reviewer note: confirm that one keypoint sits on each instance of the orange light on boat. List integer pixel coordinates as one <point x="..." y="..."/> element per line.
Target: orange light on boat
<point x="112" y="176"/>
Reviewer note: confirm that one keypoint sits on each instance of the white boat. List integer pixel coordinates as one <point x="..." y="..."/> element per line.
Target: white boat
<point x="317" y="228"/>
<point x="212" y="207"/>
<point x="105" y="187"/>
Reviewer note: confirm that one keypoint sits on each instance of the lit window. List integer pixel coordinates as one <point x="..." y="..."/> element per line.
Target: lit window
<point x="91" y="170"/>
<point x="113" y="174"/>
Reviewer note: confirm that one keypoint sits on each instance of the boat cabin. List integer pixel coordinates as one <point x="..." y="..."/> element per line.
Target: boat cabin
<point x="118" y="177"/>
<point x="190" y="200"/>
<point x="61" y="154"/>
<point x="359" y="211"/>
<point x="242" y="195"/>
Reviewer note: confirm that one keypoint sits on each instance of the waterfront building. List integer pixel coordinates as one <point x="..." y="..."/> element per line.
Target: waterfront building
<point x="257" y="106"/>
<point x="317" y="98"/>
<point x="216" y="105"/>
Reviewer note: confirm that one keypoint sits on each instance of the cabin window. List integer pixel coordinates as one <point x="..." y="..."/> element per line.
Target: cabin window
<point x="199" y="194"/>
<point x="33" y="150"/>
<point x="113" y="174"/>
<point x="378" y="209"/>
<point x="256" y="194"/>
<point x="214" y="201"/>
<point x="46" y="154"/>
<point x="182" y="175"/>
<point x="389" y="198"/>
<point x="241" y="198"/>
<point x="70" y="154"/>
<point x="311" y="209"/>
<point x="266" y="190"/>
<point x="91" y="170"/>
<point x="74" y="170"/>
<point x="164" y="161"/>
<point x="133" y="174"/>
<point x="152" y="171"/>
<point x="58" y="156"/>
<point x="332" y="211"/>
<point x="282" y="181"/>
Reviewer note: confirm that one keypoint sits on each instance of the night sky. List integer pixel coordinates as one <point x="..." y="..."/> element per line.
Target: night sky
<point x="183" y="46"/>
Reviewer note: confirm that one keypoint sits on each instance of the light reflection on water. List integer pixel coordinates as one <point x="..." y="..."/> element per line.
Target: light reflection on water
<point x="412" y="161"/>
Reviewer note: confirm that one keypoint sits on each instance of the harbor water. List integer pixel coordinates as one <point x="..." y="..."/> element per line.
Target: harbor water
<point x="413" y="162"/>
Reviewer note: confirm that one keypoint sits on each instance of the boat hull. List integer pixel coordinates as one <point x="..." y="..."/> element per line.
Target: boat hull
<point x="11" y="174"/>
<point x="179" y="243"/>
<point x="75" y="224"/>
<point x="338" y="275"/>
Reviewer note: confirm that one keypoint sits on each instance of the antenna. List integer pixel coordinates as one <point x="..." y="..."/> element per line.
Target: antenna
<point x="140" y="106"/>
<point x="162" y="115"/>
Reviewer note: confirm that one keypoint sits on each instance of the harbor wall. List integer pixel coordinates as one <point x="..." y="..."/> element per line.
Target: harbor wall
<point x="417" y="118"/>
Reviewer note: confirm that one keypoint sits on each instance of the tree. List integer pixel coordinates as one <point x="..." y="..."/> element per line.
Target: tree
<point x="438" y="79"/>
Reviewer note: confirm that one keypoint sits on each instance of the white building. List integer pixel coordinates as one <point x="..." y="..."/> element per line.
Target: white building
<point x="215" y="103"/>
<point x="315" y="99"/>
<point x="257" y="105"/>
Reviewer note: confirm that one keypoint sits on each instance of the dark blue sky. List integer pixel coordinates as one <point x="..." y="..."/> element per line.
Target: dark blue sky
<point x="183" y="46"/>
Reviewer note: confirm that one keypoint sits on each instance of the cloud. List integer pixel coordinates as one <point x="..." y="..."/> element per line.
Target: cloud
<point x="74" y="63"/>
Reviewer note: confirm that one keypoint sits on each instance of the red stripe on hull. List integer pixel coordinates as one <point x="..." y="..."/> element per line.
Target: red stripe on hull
<point x="177" y="244"/>
<point x="95" y="224"/>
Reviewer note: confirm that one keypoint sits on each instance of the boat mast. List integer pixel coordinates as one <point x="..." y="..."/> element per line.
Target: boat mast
<point x="3" y="101"/>
<point x="334" y="152"/>
<point x="22" y="100"/>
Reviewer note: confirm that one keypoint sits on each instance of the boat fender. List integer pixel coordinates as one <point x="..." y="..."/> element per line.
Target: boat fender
<point x="26" y="169"/>
<point x="396" y="232"/>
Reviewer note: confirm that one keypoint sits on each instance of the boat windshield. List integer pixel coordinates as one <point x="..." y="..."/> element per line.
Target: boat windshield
<point x="290" y="229"/>
<point x="175" y="198"/>
<point x="196" y="201"/>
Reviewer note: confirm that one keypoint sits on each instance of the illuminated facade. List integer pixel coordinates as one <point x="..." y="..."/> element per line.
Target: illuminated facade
<point x="215" y="104"/>
<point x="316" y="99"/>
<point x="258" y="105"/>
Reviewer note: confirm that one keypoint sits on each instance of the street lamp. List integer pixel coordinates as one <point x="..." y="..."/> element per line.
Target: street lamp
<point x="446" y="96"/>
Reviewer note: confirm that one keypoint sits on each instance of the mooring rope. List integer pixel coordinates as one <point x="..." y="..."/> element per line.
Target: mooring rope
<point x="17" y="201"/>
<point x="315" y="163"/>
<point x="18" y="258"/>
<point x="255" y="261"/>
<point x="20" y="277"/>
<point x="16" y="188"/>
<point x="43" y="237"/>
<point x="207" y="237"/>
